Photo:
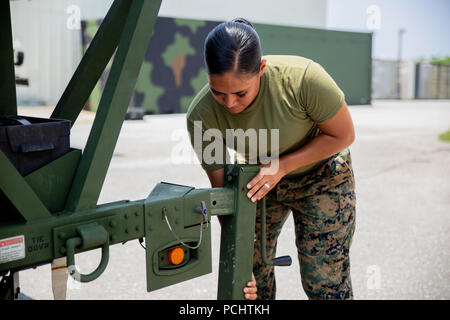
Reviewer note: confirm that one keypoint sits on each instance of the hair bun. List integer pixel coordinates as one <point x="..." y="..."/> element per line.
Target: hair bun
<point x="244" y="21"/>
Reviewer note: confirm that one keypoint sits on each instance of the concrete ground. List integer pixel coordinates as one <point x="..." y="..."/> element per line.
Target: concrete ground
<point x="401" y="246"/>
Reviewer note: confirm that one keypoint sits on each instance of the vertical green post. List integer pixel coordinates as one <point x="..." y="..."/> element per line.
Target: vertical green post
<point x="8" y="99"/>
<point x="237" y="237"/>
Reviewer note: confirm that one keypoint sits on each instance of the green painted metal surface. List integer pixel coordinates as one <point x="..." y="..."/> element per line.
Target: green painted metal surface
<point x="52" y="182"/>
<point x="93" y="63"/>
<point x="237" y="236"/>
<point x="113" y="106"/>
<point x="166" y="227"/>
<point x="346" y="56"/>
<point x="20" y="194"/>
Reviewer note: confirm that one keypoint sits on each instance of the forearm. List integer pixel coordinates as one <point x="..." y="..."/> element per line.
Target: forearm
<point x="216" y="177"/>
<point x="319" y="148"/>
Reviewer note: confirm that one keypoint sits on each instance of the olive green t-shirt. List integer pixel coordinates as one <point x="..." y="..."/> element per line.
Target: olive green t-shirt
<point x="295" y="94"/>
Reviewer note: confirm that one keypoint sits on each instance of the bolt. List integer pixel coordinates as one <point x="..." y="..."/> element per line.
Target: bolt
<point x="62" y="250"/>
<point x="126" y="216"/>
<point x="113" y="238"/>
<point x="112" y="224"/>
<point x="136" y="214"/>
<point x="126" y="230"/>
<point x="137" y="228"/>
<point x="61" y="235"/>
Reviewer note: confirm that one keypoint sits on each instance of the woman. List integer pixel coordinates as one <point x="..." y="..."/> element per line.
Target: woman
<point x="312" y="177"/>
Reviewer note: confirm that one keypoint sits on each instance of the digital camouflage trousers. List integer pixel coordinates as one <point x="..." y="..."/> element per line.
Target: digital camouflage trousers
<point x="322" y="202"/>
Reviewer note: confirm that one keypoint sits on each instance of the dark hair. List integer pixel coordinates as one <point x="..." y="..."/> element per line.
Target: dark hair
<point x="233" y="46"/>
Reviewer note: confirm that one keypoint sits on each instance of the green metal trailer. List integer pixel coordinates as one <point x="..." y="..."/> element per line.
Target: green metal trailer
<point x="52" y="212"/>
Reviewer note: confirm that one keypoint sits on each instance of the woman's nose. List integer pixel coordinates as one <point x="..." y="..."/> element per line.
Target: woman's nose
<point x="229" y="101"/>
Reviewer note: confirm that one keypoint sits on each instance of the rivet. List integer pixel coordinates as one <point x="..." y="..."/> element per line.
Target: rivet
<point x="62" y="250"/>
<point x="61" y="235"/>
<point x="112" y="224"/>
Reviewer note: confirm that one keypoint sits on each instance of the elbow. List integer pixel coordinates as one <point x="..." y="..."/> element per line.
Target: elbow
<point x="350" y="138"/>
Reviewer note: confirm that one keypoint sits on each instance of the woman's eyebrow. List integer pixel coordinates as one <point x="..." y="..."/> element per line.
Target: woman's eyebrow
<point x="239" y="92"/>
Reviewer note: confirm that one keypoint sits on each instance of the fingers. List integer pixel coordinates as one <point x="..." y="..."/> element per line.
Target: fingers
<point x="251" y="290"/>
<point x="255" y="180"/>
<point x="264" y="181"/>
<point x="259" y="190"/>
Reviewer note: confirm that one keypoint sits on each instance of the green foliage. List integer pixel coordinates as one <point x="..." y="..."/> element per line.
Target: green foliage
<point x="445" y="136"/>
<point x="436" y="60"/>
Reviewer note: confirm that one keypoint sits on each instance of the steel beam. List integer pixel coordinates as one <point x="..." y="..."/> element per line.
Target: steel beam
<point x="19" y="193"/>
<point x="93" y="63"/>
<point x="237" y="237"/>
<point x="113" y="105"/>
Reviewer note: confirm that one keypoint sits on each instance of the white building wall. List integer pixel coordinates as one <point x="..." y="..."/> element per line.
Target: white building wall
<point x="47" y="32"/>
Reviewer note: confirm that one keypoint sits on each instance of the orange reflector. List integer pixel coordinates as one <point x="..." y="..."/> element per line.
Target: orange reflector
<point x="176" y="256"/>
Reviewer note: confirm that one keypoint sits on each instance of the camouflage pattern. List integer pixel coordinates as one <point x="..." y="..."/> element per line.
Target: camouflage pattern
<point x="323" y="205"/>
<point x="172" y="72"/>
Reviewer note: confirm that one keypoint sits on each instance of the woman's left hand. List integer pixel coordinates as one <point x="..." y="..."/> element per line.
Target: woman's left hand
<point x="267" y="178"/>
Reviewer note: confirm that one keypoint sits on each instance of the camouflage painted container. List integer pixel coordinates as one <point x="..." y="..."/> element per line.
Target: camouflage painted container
<point x="173" y="72"/>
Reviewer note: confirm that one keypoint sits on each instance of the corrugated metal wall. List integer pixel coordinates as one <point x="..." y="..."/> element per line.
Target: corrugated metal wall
<point x="385" y="79"/>
<point x="433" y="81"/>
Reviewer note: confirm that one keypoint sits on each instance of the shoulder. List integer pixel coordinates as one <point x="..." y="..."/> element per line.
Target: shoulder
<point x="204" y="108"/>
<point x="287" y="61"/>
<point x="201" y="105"/>
<point x="282" y="64"/>
<point x="287" y="70"/>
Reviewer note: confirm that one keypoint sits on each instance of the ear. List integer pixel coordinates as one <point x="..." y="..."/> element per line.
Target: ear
<point x="262" y="66"/>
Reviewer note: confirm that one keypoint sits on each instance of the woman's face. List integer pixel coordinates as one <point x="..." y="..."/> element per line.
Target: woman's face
<point x="235" y="91"/>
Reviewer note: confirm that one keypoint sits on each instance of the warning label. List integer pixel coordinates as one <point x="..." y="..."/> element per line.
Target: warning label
<point x="12" y="249"/>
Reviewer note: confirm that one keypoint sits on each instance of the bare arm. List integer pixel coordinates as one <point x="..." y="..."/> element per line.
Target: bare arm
<point x="216" y="177"/>
<point x="336" y="134"/>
